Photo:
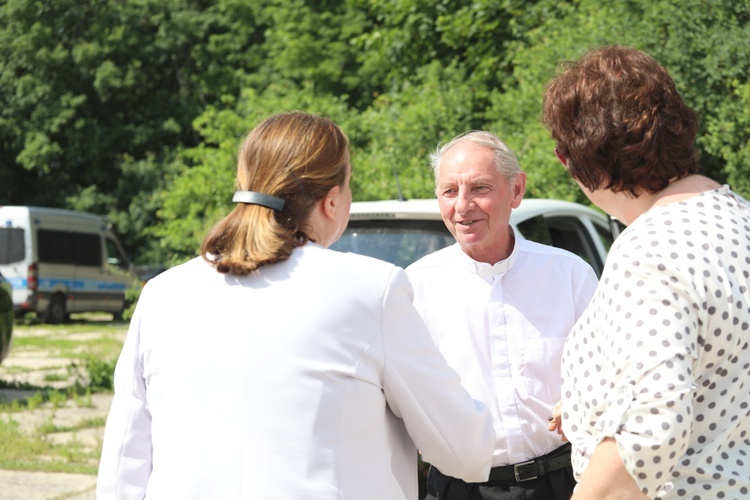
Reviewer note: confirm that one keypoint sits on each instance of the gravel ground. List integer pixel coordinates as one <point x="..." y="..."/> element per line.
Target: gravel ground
<point x="34" y="367"/>
<point x="23" y="485"/>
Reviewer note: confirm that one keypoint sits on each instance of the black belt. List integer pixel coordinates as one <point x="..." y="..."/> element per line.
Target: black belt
<point x="526" y="471"/>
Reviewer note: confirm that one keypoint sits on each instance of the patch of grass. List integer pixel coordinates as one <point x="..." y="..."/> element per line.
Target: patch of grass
<point x="81" y="400"/>
<point x="52" y="465"/>
<point x="15" y="446"/>
<point x="76" y="453"/>
<point x="14" y="370"/>
<point x="21" y="386"/>
<point x="49" y="426"/>
<point x="94" y="373"/>
<point x="70" y="340"/>
<point x="55" y="377"/>
<point x="34" y="401"/>
<point x="37" y="452"/>
<point x="45" y="342"/>
<point x="19" y="451"/>
<point x="92" y="346"/>
<point x="14" y="406"/>
<point x="91" y="423"/>
<point x="57" y="397"/>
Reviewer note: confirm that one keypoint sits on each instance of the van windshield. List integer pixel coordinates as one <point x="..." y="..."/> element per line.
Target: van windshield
<point x="12" y="248"/>
<point x="400" y="242"/>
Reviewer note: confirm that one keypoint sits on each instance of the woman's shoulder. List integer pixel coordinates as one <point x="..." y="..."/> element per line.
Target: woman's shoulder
<point x="356" y="260"/>
<point x="347" y="262"/>
<point x="349" y="273"/>
<point x="186" y="271"/>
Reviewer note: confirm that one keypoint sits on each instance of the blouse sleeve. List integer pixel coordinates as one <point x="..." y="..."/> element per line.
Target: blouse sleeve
<point x="125" y="465"/>
<point x="652" y="326"/>
<point x="453" y="432"/>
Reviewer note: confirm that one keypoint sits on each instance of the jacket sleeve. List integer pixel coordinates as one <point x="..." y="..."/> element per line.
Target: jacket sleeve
<point x="453" y="431"/>
<point x="125" y="465"/>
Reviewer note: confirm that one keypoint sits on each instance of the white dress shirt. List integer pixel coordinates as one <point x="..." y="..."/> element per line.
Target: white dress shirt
<point x="502" y="328"/>
<point x="313" y="378"/>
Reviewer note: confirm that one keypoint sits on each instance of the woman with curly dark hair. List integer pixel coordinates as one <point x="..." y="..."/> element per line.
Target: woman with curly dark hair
<point x="656" y="395"/>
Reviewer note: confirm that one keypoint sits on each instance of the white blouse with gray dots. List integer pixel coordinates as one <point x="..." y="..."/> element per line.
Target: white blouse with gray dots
<point x="660" y="360"/>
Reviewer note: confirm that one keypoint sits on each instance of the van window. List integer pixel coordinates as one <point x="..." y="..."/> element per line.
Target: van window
<point x="12" y="247"/>
<point x="114" y="256"/>
<point x="535" y="229"/>
<point x="64" y="247"/>
<point x="609" y="235"/>
<point x="567" y="233"/>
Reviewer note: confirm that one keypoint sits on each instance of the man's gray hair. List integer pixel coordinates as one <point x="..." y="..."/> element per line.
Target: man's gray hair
<point x="505" y="159"/>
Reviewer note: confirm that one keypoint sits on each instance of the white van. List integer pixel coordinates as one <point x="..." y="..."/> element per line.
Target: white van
<point x="61" y="262"/>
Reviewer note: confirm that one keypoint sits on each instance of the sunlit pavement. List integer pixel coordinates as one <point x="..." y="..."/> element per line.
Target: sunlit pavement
<point x="21" y="485"/>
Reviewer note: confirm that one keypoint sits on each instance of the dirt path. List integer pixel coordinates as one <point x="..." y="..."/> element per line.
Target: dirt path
<point x="75" y="424"/>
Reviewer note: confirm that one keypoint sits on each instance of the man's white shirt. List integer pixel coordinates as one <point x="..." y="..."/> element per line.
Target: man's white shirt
<point x="502" y="328"/>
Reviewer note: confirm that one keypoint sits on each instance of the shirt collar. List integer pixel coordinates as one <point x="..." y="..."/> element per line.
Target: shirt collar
<point x="490" y="272"/>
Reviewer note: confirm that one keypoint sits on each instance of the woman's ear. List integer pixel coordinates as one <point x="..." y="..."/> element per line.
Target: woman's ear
<point x="331" y="202"/>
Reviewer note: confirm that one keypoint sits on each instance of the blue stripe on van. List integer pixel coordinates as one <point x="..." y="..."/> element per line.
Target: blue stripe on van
<point x="16" y="281"/>
<point x="80" y="285"/>
<point x="48" y="284"/>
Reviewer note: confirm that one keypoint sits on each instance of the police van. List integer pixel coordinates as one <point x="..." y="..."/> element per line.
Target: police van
<point x="61" y="262"/>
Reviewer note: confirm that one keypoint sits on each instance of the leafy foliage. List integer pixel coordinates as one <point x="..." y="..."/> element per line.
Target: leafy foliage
<point x="136" y="108"/>
<point x="201" y="194"/>
<point x="95" y="97"/>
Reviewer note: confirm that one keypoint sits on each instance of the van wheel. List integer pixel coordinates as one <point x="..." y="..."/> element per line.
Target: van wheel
<point x="56" y="310"/>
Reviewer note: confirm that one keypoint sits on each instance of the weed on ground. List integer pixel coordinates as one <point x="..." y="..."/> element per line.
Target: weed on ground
<point x="55" y="392"/>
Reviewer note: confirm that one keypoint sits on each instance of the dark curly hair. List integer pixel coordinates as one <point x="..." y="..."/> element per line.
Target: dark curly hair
<point x="617" y="117"/>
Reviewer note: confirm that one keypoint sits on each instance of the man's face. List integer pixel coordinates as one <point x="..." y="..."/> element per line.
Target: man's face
<point x="476" y="200"/>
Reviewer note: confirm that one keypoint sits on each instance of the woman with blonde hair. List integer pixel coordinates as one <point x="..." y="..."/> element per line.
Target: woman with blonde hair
<point x="273" y="367"/>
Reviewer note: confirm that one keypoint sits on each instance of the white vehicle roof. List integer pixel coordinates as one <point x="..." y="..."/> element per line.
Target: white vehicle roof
<point x="427" y="209"/>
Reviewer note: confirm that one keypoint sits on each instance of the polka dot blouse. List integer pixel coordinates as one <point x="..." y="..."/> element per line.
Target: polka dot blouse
<point x="660" y="360"/>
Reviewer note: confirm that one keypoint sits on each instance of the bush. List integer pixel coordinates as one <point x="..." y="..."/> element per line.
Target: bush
<point x="96" y="375"/>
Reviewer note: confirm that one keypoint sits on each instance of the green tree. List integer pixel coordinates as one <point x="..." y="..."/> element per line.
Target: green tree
<point x="701" y="43"/>
<point x="310" y="42"/>
<point x="96" y="96"/>
<point x="135" y="108"/>
<point x="728" y="138"/>
<point x="394" y="137"/>
<point x="704" y="46"/>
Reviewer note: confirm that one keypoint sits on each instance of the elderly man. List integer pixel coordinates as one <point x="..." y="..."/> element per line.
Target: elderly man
<point x="500" y="308"/>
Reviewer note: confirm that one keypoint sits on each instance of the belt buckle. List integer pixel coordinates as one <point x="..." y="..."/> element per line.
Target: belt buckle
<point x="517" y="473"/>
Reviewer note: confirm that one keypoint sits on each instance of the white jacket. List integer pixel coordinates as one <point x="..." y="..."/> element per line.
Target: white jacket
<point x="313" y="378"/>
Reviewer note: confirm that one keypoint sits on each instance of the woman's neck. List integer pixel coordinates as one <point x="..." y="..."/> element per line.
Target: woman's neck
<point x="684" y="188"/>
<point x="676" y="191"/>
